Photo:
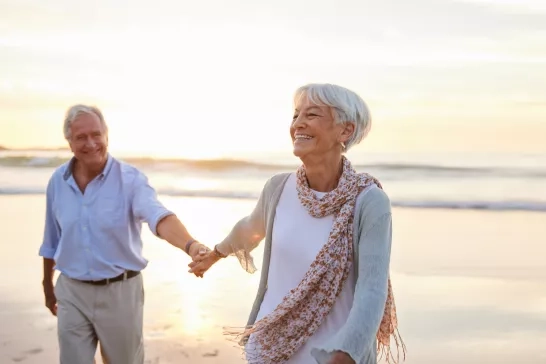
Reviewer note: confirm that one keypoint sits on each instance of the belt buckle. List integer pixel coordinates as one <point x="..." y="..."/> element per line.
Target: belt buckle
<point x="109" y="280"/>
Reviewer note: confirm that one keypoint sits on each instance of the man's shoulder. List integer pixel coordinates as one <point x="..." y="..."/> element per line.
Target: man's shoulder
<point x="60" y="171"/>
<point x="126" y="168"/>
<point x="129" y="172"/>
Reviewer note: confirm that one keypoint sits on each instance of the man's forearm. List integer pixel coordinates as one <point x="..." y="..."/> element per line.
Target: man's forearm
<point x="172" y="230"/>
<point x="49" y="266"/>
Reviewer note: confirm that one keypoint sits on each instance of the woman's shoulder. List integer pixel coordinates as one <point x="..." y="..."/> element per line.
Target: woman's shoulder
<point x="276" y="181"/>
<point x="373" y="202"/>
<point x="279" y="177"/>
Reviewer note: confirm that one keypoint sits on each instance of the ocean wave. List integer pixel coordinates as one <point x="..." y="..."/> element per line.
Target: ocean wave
<point x="403" y="170"/>
<point x="475" y="205"/>
<point x="155" y="163"/>
<point x="538" y="206"/>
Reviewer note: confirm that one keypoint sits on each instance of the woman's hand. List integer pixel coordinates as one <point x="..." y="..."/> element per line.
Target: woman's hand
<point x="340" y="357"/>
<point x="202" y="262"/>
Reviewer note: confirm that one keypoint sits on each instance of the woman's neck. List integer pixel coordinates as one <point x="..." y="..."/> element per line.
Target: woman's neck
<point x="323" y="176"/>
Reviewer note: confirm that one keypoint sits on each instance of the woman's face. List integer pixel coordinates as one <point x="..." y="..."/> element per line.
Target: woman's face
<point x="314" y="131"/>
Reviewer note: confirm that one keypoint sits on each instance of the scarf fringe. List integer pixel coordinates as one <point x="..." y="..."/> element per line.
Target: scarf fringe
<point x="386" y="349"/>
<point x="238" y="334"/>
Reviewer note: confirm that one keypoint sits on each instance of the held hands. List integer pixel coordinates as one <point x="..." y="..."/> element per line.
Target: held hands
<point x="196" y="251"/>
<point x="202" y="262"/>
<point x="340" y="357"/>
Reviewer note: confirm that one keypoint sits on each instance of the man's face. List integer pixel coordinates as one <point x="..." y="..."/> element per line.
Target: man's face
<point x="89" y="140"/>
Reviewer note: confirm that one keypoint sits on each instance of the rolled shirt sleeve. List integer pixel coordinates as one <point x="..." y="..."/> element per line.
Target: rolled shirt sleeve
<point x="146" y="206"/>
<point x="52" y="230"/>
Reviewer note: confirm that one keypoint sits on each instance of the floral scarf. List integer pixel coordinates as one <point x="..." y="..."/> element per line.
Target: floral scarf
<point x="281" y="333"/>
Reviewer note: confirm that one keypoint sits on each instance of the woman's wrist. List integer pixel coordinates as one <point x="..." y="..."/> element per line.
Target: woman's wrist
<point x="218" y="254"/>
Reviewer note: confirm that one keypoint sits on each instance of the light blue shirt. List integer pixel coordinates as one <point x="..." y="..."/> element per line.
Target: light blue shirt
<point x="96" y="234"/>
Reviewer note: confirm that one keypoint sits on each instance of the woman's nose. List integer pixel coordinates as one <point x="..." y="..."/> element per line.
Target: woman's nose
<point x="298" y="121"/>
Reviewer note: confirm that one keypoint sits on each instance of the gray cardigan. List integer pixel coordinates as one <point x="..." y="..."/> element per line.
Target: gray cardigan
<point x="372" y="248"/>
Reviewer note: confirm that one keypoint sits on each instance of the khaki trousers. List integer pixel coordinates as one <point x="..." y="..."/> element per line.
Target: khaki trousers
<point x="111" y="315"/>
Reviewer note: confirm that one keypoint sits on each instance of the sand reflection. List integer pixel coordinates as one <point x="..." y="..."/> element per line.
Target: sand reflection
<point x="191" y="306"/>
<point x="468" y="295"/>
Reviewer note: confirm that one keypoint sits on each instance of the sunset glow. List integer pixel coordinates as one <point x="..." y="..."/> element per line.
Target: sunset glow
<point x="204" y="81"/>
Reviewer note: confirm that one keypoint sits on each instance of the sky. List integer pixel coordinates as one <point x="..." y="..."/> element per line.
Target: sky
<point x="215" y="78"/>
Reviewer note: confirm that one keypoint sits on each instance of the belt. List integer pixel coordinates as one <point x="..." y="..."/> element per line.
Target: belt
<point x="122" y="277"/>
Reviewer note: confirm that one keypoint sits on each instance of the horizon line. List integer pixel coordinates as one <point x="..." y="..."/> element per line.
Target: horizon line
<point x="5" y="147"/>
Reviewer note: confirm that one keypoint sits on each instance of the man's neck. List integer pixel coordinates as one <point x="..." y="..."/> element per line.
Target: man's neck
<point x="86" y="172"/>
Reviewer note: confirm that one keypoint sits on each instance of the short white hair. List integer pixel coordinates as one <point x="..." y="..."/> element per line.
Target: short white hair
<point x="346" y="105"/>
<point x="74" y="111"/>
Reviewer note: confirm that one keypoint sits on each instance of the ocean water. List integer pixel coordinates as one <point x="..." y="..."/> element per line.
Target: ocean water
<point x="434" y="180"/>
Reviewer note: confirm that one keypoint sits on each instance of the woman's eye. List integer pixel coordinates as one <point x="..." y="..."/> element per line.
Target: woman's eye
<point x="311" y="115"/>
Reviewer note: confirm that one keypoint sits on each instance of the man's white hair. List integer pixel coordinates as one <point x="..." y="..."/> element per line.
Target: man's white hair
<point x="74" y="111"/>
<point x="346" y="105"/>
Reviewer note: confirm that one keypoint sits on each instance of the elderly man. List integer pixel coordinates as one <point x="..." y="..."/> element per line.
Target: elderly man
<point x="95" y="209"/>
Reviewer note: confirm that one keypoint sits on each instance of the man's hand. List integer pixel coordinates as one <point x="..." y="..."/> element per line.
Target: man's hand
<point x="47" y="283"/>
<point x="197" y="249"/>
<point x="50" y="299"/>
<point x="341" y="357"/>
<point x="202" y="263"/>
<point x="197" y="252"/>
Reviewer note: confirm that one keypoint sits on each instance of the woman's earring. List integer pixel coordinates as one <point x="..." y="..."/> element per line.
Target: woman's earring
<point x="343" y="145"/>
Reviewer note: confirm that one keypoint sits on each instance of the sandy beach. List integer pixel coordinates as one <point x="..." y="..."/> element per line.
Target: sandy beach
<point x="470" y="286"/>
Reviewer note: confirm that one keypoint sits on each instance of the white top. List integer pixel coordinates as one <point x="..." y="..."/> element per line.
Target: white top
<point x="372" y="241"/>
<point x="297" y="239"/>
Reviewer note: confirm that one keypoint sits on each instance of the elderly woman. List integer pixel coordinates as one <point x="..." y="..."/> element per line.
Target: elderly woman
<point x="325" y="293"/>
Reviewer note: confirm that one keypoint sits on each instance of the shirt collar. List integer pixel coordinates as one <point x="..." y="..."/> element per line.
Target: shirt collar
<point x="102" y="175"/>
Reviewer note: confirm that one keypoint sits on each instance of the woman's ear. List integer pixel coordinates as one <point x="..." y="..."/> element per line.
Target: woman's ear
<point x="346" y="132"/>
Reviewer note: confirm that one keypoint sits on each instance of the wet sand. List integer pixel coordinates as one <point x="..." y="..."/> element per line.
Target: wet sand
<point x="470" y="286"/>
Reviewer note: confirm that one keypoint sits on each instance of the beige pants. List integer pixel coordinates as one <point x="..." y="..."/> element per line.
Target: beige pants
<point x="110" y="314"/>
